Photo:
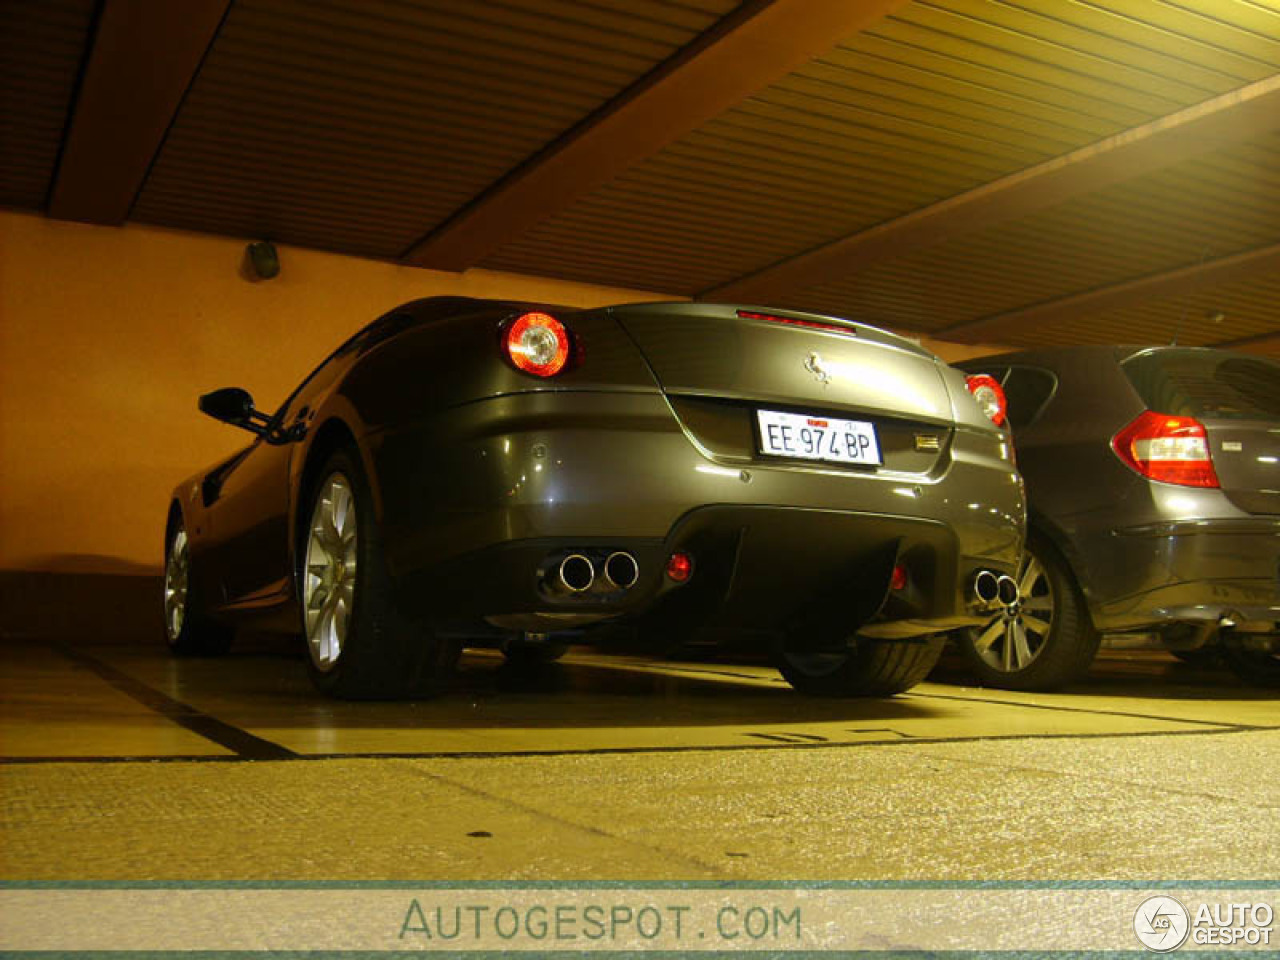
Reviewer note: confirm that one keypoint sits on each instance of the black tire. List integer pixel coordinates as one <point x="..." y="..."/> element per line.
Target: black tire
<point x="1061" y="653"/>
<point x="861" y="668"/>
<point x="524" y="653"/>
<point x="189" y="630"/>
<point x="383" y="654"/>
<point x="1257" y="667"/>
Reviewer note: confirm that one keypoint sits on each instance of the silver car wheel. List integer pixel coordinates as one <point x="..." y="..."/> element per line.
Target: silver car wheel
<point x="329" y="582"/>
<point x="176" y="570"/>
<point x="1012" y="640"/>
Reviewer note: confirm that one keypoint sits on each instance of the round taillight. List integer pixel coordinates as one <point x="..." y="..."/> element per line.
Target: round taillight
<point x="537" y="343"/>
<point x="990" y="396"/>
<point x="680" y="566"/>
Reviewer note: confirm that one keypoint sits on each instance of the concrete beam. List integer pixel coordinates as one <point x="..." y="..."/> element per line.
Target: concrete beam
<point x="1224" y="120"/>
<point x="143" y="57"/>
<point x="753" y="47"/>
<point x="1258" y="343"/>
<point x="1172" y="283"/>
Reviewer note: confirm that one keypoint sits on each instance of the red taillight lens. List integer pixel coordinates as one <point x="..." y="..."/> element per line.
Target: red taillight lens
<point x="680" y="566"/>
<point x="1168" y="449"/>
<point x="800" y="322"/>
<point x="537" y="343"/>
<point x="990" y="396"/>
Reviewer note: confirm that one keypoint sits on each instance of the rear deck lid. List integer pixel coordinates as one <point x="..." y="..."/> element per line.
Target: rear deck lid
<point x="1237" y="399"/>
<point x="791" y="359"/>
<point x="733" y="372"/>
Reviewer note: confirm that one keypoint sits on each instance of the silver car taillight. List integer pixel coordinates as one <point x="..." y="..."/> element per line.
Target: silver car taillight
<point x="1167" y="448"/>
<point x="990" y="396"/>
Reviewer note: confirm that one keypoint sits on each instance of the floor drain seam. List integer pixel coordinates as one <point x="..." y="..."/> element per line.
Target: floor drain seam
<point x="291" y="757"/>
<point x="243" y="744"/>
<point x="1063" y="708"/>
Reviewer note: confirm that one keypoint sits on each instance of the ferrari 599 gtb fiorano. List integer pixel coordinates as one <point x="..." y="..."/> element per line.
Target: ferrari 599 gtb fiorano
<point x="472" y="472"/>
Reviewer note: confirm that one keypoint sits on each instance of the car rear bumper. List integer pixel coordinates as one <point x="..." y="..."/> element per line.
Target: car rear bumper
<point x="476" y="505"/>
<point x="1196" y="571"/>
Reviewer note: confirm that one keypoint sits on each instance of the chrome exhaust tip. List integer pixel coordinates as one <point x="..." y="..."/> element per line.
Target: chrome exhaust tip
<point x="621" y="571"/>
<point x="1006" y="590"/>
<point x="986" y="587"/>
<point x="575" y="573"/>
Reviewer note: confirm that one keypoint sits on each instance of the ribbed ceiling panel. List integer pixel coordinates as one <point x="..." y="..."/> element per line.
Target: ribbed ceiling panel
<point x="1196" y="211"/>
<point x="359" y="125"/>
<point x="1215" y="314"/>
<point x="42" y="44"/>
<point x="938" y="99"/>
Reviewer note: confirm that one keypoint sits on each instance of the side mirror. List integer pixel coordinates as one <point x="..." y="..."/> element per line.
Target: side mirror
<point x="234" y="406"/>
<point x="230" y="405"/>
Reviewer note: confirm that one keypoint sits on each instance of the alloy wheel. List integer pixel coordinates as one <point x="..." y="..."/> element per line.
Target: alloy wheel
<point x="1013" y="639"/>
<point x="330" y="571"/>
<point x="176" y="570"/>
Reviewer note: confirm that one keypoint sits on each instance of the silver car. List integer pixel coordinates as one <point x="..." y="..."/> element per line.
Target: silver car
<point x="1153" y="485"/>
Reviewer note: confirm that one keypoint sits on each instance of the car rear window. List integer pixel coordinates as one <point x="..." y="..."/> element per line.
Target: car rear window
<point x="1206" y="383"/>
<point x="1027" y="389"/>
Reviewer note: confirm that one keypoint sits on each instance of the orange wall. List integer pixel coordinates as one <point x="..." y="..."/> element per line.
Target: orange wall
<point x="108" y="335"/>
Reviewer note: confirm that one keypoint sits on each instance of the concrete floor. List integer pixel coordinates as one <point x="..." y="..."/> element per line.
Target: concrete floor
<point x="118" y="763"/>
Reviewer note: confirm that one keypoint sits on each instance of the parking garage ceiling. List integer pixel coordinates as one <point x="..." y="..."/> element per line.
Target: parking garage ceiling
<point x="1012" y="171"/>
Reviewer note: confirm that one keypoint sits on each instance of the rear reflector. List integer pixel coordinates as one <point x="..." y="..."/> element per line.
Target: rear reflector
<point x="799" y="322"/>
<point x="537" y="343"/>
<point x="899" y="579"/>
<point x="1168" y="449"/>
<point x="990" y="396"/>
<point x="680" y="566"/>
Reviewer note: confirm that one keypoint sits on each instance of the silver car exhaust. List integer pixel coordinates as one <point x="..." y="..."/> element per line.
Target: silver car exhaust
<point x="990" y="589"/>
<point x="985" y="588"/>
<point x="1006" y="590"/>
<point x="620" y="571"/>
<point x="575" y="574"/>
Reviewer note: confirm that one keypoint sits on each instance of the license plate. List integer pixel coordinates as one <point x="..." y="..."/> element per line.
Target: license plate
<point x="810" y="437"/>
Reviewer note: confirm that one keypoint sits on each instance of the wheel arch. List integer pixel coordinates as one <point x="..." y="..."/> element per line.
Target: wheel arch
<point x="1040" y="525"/>
<point x="185" y="513"/>
<point x="333" y="434"/>
<point x="174" y="517"/>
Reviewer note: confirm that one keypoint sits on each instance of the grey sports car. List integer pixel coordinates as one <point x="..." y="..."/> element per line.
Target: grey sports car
<point x="478" y="472"/>
<point x="1153" y="478"/>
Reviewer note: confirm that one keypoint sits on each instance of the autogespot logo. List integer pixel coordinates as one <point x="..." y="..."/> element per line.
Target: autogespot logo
<point x="1161" y="923"/>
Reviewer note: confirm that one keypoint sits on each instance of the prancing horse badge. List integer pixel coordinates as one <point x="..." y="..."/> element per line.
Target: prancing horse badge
<point x="815" y="365"/>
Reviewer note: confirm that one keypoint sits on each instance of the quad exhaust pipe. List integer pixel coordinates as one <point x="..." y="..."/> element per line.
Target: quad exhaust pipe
<point x="990" y="589"/>
<point x="575" y="574"/>
<point x="620" y="571"/>
<point x="986" y="587"/>
<point x="578" y="573"/>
